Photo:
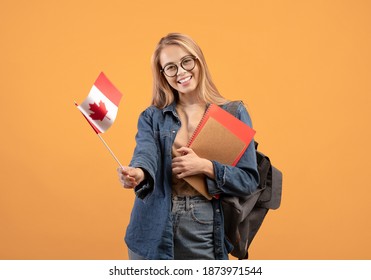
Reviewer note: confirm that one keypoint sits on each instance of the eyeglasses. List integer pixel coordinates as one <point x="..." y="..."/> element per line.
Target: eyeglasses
<point x="187" y="63"/>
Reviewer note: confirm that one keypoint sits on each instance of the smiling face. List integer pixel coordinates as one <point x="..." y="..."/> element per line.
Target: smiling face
<point x="185" y="81"/>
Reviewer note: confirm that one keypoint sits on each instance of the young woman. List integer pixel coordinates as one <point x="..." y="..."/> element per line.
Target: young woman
<point x="170" y="219"/>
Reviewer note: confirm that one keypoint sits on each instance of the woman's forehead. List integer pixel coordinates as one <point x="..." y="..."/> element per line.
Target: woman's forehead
<point x="172" y="53"/>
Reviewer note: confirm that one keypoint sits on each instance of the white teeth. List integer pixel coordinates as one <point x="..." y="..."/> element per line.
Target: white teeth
<point x="184" y="80"/>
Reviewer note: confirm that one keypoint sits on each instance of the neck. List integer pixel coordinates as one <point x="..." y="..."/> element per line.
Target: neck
<point x="189" y="100"/>
<point x="188" y="104"/>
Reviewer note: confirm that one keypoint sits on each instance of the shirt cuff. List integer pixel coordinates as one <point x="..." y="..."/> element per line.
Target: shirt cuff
<point x="145" y="188"/>
<point x="214" y="186"/>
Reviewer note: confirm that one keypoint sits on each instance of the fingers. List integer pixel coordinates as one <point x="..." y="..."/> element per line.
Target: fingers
<point x="184" y="150"/>
<point x="181" y="165"/>
<point x="130" y="177"/>
<point x="127" y="177"/>
<point x="188" y="164"/>
<point x="127" y="182"/>
<point x="181" y="175"/>
<point x="124" y="170"/>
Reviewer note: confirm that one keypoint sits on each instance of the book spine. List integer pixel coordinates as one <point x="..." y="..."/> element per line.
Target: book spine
<point x="200" y="125"/>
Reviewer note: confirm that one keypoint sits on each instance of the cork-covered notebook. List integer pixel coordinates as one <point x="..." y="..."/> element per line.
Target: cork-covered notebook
<point x="221" y="137"/>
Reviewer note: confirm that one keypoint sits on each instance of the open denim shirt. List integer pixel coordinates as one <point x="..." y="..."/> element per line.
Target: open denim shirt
<point x="150" y="232"/>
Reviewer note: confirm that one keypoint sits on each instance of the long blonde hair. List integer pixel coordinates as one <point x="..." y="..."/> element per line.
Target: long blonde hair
<point x="163" y="93"/>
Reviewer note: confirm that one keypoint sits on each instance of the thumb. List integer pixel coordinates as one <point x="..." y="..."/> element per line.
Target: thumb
<point x="123" y="170"/>
<point x="184" y="150"/>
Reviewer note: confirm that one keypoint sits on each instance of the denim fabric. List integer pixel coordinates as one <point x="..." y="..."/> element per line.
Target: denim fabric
<point x="150" y="231"/>
<point x="193" y="227"/>
<point x="134" y="257"/>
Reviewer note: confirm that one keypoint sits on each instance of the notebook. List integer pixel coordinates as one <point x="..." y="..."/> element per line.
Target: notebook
<point x="221" y="137"/>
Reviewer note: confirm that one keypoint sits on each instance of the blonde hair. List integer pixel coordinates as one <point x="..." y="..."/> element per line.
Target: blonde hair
<point x="163" y="93"/>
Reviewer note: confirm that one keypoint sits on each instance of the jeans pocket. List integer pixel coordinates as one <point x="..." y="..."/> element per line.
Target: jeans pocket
<point x="202" y="212"/>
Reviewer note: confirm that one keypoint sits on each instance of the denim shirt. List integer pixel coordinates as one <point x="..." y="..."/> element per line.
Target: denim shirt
<point x="150" y="231"/>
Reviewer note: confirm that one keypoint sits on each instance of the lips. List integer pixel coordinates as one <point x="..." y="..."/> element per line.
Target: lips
<point x="184" y="80"/>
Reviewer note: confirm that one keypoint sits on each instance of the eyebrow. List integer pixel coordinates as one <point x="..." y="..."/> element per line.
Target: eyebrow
<point x="179" y="60"/>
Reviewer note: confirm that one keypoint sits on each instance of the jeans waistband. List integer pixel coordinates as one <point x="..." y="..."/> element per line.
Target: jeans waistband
<point x="185" y="198"/>
<point x="186" y="201"/>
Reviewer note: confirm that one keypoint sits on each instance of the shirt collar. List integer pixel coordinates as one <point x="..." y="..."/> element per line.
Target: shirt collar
<point x="170" y="108"/>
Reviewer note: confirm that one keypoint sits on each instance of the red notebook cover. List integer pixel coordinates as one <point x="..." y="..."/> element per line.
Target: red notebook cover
<point x="221" y="137"/>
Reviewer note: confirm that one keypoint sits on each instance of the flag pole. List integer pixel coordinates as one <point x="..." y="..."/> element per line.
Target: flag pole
<point x="108" y="148"/>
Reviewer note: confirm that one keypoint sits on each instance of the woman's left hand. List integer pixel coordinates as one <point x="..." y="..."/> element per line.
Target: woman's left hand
<point x="189" y="163"/>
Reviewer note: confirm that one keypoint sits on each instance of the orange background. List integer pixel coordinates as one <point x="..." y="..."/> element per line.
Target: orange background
<point x="302" y="68"/>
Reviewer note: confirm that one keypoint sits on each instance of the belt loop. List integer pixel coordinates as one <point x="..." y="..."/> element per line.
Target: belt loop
<point x="187" y="203"/>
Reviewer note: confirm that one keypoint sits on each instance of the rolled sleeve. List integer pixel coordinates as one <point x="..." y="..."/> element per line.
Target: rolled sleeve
<point x="215" y="186"/>
<point x="146" y="187"/>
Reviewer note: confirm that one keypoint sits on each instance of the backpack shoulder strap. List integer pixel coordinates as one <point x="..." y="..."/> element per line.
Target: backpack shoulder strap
<point x="232" y="107"/>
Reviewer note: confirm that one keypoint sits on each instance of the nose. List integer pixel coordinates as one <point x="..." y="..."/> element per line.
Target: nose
<point x="181" y="70"/>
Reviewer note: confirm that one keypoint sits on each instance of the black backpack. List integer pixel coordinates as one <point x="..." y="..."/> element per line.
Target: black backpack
<point x="243" y="216"/>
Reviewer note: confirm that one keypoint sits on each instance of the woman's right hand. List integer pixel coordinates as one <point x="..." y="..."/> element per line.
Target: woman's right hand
<point x="130" y="177"/>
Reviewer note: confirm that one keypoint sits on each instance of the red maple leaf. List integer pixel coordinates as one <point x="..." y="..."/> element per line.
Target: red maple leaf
<point x="100" y="111"/>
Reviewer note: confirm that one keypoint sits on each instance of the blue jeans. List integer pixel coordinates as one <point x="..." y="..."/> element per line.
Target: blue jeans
<point x="193" y="222"/>
<point x="193" y="227"/>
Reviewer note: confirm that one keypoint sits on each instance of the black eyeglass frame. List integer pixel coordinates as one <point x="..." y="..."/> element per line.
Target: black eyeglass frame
<point x="195" y="58"/>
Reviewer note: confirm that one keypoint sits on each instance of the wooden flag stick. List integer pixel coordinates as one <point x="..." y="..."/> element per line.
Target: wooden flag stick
<point x="108" y="148"/>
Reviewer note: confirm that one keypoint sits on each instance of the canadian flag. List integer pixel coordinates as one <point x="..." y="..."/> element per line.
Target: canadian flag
<point x="101" y="106"/>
